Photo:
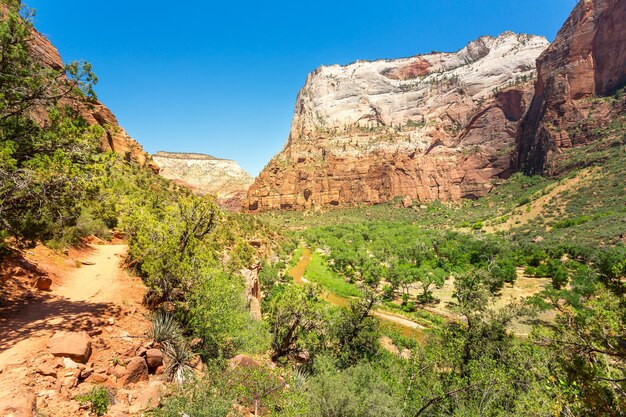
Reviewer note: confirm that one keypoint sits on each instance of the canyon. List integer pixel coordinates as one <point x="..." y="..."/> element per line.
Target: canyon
<point x="440" y="126"/>
<point x="205" y="174"/>
<point x="448" y="126"/>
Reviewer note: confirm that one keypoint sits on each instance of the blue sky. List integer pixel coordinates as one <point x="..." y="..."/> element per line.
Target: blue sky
<point x="222" y="77"/>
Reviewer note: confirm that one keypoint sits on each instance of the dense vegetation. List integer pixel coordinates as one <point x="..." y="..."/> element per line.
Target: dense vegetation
<point x="314" y="358"/>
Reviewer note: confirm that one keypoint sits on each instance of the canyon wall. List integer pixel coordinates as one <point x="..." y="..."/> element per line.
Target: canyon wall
<point x="440" y="126"/>
<point x="205" y="174"/>
<point x="587" y="59"/>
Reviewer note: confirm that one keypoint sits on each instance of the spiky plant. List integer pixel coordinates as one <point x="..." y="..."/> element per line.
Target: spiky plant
<point x="299" y="377"/>
<point x="180" y="355"/>
<point x="164" y="329"/>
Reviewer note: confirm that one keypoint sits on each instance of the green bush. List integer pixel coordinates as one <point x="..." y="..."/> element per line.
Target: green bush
<point x="99" y="399"/>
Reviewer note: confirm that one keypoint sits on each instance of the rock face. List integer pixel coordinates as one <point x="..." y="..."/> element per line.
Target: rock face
<point x="206" y="174"/>
<point x="433" y="127"/>
<point x="95" y="113"/>
<point x="587" y="58"/>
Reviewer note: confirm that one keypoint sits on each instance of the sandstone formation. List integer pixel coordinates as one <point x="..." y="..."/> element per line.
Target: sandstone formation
<point x="440" y="126"/>
<point x="587" y="58"/>
<point x="206" y="174"/>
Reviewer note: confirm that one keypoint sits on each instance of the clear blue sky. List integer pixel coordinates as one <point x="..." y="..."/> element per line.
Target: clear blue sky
<point x="222" y="77"/>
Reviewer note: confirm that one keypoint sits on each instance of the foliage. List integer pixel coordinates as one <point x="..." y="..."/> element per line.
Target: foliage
<point x="356" y="332"/>
<point x="318" y="272"/>
<point x="587" y="343"/>
<point x="218" y="314"/>
<point x="359" y="391"/>
<point x="99" y="399"/>
<point x="296" y="318"/>
<point x="46" y="170"/>
<point x="180" y="355"/>
<point x="164" y="329"/>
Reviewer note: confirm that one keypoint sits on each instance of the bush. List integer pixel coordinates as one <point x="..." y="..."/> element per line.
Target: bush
<point x="164" y="329"/>
<point x="99" y="399"/>
<point x="218" y="314"/>
<point x="359" y="391"/>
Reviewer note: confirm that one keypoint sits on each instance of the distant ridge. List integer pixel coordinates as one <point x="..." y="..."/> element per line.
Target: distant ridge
<point x="206" y="174"/>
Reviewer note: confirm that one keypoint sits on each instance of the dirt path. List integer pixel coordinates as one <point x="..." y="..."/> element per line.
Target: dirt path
<point x="85" y="293"/>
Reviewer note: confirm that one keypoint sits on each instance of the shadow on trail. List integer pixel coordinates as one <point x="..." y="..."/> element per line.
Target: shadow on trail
<point x="48" y="315"/>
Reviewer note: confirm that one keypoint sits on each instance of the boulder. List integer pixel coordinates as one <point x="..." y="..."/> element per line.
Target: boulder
<point x="154" y="358"/>
<point x="243" y="361"/>
<point x="97" y="378"/>
<point x="136" y="371"/>
<point x="42" y="283"/>
<point x="73" y="345"/>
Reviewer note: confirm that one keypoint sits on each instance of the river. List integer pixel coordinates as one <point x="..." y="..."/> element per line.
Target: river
<point x="405" y="326"/>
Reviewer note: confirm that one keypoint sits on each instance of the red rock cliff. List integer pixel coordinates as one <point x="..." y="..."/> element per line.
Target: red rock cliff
<point x="587" y="58"/>
<point x="440" y="126"/>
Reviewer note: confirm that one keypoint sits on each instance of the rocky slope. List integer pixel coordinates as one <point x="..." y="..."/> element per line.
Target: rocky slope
<point x="206" y="174"/>
<point x="115" y="137"/>
<point x="587" y="58"/>
<point x="440" y="126"/>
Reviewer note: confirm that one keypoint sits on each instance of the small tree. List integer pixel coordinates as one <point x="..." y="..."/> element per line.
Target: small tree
<point x="296" y="319"/>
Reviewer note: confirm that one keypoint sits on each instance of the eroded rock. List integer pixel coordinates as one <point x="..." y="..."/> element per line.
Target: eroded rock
<point x="73" y="345"/>
<point x="136" y="371"/>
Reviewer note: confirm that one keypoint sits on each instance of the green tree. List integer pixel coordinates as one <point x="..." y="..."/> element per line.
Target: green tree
<point x="45" y="168"/>
<point x="296" y="319"/>
<point x="356" y="332"/>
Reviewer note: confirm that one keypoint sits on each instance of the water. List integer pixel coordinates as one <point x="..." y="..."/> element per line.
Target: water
<point x="403" y="325"/>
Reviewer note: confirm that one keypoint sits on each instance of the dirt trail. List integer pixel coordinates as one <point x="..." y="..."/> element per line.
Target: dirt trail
<point x="86" y="292"/>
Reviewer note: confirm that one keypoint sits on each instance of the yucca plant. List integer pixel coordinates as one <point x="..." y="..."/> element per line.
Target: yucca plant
<point x="164" y="329"/>
<point x="180" y="355"/>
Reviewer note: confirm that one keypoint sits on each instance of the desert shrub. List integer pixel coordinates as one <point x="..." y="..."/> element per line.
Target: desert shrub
<point x="358" y="391"/>
<point x="164" y="329"/>
<point x="218" y="314"/>
<point x="99" y="399"/>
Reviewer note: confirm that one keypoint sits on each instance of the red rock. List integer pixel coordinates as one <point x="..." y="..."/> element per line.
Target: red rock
<point x="86" y="373"/>
<point x="97" y="378"/>
<point x="154" y="358"/>
<point x="587" y="58"/>
<point x="20" y="403"/>
<point x="244" y="361"/>
<point x="136" y="371"/>
<point x="148" y="398"/>
<point x="42" y="283"/>
<point x="73" y="345"/>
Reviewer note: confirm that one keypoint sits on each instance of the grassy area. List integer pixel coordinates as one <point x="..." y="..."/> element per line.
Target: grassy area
<point x="318" y="272"/>
<point x="295" y="258"/>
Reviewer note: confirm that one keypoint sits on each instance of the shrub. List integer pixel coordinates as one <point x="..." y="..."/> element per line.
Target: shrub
<point x="164" y="329"/>
<point x="99" y="399"/>
<point x="180" y="355"/>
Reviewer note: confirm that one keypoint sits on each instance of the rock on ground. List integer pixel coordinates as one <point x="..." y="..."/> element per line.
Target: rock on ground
<point x="73" y="345"/>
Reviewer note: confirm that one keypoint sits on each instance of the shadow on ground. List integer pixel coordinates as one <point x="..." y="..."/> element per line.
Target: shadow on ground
<point x="48" y="315"/>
